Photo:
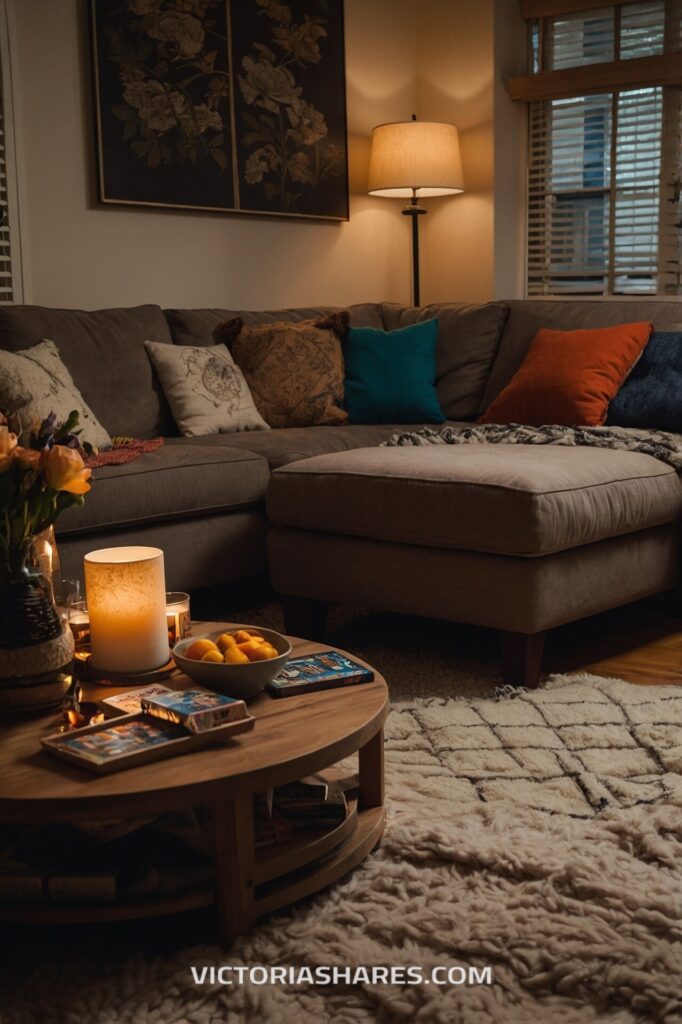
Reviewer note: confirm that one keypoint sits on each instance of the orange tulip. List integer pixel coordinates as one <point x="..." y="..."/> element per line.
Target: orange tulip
<point x="63" y="470"/>
<point x="28" y="458"/>
<point x="8" y="442"/>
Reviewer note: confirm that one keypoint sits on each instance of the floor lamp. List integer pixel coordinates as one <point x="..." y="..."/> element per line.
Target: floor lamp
<point x="412" y="160"/>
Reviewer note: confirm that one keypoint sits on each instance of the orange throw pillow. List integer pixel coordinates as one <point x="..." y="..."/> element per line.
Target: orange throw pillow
<point x="569" y="377"/>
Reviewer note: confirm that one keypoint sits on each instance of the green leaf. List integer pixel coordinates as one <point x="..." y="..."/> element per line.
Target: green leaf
<point x="121" y="111"/>
<point x="130" y="131"/>
<point x="257" y="123"/>
<point x="220" y="158"/>
<point x="69" y="425"/>
<point x="252" y="138"/>
<point x="7" y="490"/>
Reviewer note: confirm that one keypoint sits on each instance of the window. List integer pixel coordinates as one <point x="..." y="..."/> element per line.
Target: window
<point x="605" y="155"/>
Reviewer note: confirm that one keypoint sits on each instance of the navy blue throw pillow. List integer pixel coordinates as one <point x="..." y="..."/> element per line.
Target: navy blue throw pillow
<point x="652" y="394"/>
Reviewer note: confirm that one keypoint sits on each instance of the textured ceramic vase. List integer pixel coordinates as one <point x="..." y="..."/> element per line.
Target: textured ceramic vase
<point x="36" y="647"/>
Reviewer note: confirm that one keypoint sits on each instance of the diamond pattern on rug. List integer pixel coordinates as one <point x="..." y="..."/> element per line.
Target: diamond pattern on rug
<point x="570" y="747"/>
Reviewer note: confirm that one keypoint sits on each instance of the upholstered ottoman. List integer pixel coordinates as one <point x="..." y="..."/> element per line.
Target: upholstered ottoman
<point x="520" y="538"/>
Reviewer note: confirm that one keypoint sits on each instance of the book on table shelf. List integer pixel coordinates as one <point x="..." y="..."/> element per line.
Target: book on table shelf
<point x="309" y="804"/>
<point x="65" y="863"/>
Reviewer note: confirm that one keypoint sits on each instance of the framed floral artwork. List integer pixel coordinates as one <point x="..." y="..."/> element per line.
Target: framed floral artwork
<point x="223" y="105"/>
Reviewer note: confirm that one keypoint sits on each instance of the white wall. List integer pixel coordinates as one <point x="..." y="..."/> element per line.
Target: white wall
<point x="442" y="59"/>
<point x="77" y="253"/>
<point x="455" y="83"/>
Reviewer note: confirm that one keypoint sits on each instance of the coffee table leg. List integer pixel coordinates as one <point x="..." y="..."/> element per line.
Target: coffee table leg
<point x="371" y="765"/>
<point x="234" y="860"/>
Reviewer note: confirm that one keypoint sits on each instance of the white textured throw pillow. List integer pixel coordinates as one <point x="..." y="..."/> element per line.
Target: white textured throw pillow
<point x="205" y="389"/>
<point x="34" y="383"/>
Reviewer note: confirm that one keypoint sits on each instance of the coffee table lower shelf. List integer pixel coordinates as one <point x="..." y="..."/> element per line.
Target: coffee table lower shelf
<point x="283" y="875"/>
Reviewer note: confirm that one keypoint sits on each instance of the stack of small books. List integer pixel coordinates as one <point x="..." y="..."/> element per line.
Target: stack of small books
<point x="99" y="863"/>
<point x="307" y="805"/>
<point x="164" y="724"/>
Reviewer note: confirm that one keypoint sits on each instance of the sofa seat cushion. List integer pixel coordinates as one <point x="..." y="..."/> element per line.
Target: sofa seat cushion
<point x="290" y="444"/>
<point x="179" y="480"/>
<point x="501" y="499"/>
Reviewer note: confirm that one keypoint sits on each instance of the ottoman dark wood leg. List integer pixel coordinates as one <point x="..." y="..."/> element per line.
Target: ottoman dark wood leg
<point x="304" y="617"/>
<point x="522" y="658"/>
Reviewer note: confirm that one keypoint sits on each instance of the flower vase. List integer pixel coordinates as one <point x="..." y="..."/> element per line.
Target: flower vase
<point x="36" y="647"/>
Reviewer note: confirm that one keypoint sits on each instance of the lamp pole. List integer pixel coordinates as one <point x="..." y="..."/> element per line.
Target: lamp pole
<point x="414" y="210"/>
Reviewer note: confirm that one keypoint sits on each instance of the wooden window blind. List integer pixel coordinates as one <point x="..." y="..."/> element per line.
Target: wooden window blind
<point x="10" y="261"/>
<point x="603" y="205"/>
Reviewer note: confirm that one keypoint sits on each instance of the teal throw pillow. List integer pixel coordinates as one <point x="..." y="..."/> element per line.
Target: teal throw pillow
<point x="391" y="375"/>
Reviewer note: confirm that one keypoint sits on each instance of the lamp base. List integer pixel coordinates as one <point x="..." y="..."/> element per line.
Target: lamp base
<point x="86" y="672"/>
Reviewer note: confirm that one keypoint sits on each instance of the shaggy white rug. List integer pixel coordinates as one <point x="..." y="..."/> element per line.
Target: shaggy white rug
<point x="538" y="834"/>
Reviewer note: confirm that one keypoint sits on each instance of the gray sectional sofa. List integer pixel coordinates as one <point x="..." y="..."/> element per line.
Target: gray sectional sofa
<point x="521" y="539"/>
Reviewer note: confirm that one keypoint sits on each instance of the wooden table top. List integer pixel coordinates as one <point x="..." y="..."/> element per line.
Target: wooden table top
<point x="293" y="737"/>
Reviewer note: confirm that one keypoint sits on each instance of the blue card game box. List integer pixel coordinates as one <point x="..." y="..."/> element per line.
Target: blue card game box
<point x="325" y="671"/>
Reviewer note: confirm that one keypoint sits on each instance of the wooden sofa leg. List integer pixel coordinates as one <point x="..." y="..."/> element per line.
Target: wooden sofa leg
<point x="522" y="658"/>
<point x="304" y="617"/>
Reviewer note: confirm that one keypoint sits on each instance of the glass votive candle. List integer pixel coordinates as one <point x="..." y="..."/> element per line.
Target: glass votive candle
<point x="177" y="614"/>
<point x="79" y="624"/>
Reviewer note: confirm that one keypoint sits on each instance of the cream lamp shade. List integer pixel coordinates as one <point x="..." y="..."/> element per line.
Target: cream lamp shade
<point x="415" y="158"/>
<point x="125" y="591"/>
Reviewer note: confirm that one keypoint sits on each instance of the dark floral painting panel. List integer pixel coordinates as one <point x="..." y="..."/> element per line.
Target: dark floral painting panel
<point x="164" y="102"/>
<point x="289" y="100"/>
<point x="222" y="104"/>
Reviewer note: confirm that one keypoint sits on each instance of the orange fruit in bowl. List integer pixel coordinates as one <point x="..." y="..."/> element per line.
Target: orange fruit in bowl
<point x="224" y="641"/>
<point x="241" y="635"/>
<point x="263" y="652"/>
<point x="233" y="656"/>
<point x="213" y="655"/>
<point x="249" y="646"/>
<point x="197" y="649"/>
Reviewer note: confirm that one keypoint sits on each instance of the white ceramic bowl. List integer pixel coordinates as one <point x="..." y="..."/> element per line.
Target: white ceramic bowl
<point x="240" y="681"/>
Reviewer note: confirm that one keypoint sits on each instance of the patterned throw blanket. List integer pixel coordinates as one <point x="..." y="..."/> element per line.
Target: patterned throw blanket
<point x="657" y="443"/>
<point x="124" y="449"/>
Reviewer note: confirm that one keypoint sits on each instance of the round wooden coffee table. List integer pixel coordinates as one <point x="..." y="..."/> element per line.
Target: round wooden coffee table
<point x="293" y="737"/>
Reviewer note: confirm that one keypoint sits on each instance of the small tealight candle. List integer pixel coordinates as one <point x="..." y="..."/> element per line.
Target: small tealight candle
<point x="126" y="600"/>
<point x="177" y="613"/>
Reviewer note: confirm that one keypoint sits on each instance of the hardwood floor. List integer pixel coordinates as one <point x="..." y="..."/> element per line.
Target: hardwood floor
<point x="641" y="643"/>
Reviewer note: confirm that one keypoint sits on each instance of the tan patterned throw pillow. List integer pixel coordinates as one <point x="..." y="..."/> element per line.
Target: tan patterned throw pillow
<point x="294" y="370"/>
<point x="206" y="391"/>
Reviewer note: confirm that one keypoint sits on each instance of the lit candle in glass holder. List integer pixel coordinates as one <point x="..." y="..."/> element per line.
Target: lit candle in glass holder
<point x="126" y="599"/>
<point x="177" y="614"/>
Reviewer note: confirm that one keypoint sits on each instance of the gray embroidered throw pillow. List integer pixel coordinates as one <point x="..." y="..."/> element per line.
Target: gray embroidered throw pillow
<point x="206" y="390"/>
<point x="34" y="383"/>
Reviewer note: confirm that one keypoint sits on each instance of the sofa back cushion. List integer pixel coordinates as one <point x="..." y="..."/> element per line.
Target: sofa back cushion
<point x="199" y="326"/>
<point x="468" y="338"/>
<point x="570" y="377"/>
<point x="651" y="397"/>
<point x="528" y="316"/>
<point x="105" y="354"/>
